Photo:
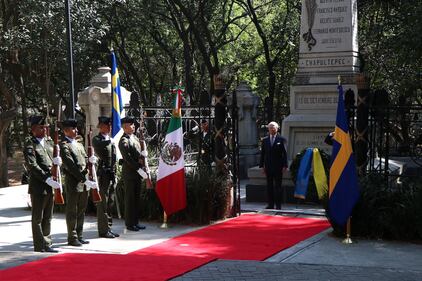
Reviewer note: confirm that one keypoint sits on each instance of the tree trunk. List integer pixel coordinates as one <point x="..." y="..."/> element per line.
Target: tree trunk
<point x="6" y="118"/>
<point x="187" y="54"/>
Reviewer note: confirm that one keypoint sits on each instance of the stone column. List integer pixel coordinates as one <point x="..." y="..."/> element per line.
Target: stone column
<point x="95" y="100"/>
<point x="247" y="103"/>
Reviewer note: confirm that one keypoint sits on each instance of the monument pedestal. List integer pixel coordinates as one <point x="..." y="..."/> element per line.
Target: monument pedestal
<point x="256" y="189"/>
<point x="247" y="158"/>
<point x="312" y="116"/>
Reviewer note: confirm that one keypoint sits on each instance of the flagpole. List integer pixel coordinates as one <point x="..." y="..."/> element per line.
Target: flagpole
<point x="348" y="240"/>
<point x="70" y="58"/>
<point x="164" y="224"/>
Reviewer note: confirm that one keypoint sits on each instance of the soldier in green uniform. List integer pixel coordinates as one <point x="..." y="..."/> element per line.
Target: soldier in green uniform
<point x="39" y="160"/>
<point x="106" y="152"/>
<point x="206" y="145"/>
<point x="132" y="173"/>
<point x="76" y="182"/>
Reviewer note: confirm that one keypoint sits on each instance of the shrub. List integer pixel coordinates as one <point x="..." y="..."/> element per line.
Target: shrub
<point x="207" y="198"/>
<point x="388" y="211"/>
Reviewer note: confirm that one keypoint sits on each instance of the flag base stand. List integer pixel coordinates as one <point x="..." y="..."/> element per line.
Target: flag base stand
<point x="164" y="225"/>
<point x="348" y="240"/>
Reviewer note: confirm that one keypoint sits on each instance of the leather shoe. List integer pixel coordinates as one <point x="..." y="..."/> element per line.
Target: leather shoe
<point x="132" y="228"/>
<point x="269" y="207"/>
<point x="140" y="226"/>
<point x="107" y="235"/>
<point x="74" y="243"/>
<point x="115" y="234"/>
<point x="278" y="207"/>
<point x="50" y="250"/>
<point x="83" y="241"/>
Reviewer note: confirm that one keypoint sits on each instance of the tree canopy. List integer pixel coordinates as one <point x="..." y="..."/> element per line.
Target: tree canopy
<point x="162" y="42"/>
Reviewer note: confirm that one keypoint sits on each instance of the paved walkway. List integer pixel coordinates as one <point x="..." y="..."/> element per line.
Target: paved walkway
<point x="321" y="257"/>
<point x="253" y="270"/>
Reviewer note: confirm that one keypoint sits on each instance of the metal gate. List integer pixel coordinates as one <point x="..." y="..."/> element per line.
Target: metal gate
<point x="155" y="121"/>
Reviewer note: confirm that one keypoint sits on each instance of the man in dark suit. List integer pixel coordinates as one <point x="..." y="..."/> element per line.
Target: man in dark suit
<point x="106" y="152"/>
<point x="274" y="162"/>
<point x="39" y="159"/>
<point x="76" y="182"/>
<point x="132" y="173"/>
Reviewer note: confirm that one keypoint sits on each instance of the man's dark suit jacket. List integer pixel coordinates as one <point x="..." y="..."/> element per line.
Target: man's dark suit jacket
<point x="273" y="158"/>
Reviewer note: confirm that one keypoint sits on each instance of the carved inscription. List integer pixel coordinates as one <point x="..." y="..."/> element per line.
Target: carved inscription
<point x="331" y="27"/>
<point x="304" y="140"/>
<point x="316" y="101"/>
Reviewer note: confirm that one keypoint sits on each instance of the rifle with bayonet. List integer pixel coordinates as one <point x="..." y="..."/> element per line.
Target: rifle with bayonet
<point x="143" y="160"/>
<point x="55" y="169"/>
<point x="92" y="173"/>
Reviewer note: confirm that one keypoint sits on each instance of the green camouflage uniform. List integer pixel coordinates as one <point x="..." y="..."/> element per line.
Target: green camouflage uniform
<point x="74" y="168"/>
<point x="39" y="162"/>
<point x="131" y="152"/>
<point x="106" y="153"/>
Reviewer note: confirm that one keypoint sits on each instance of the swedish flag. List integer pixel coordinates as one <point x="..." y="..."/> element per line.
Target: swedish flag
<point x="344" y="190"/>
<point x="116" y="97"/>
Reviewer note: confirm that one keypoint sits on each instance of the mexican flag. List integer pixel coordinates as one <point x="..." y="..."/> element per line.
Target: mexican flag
<point x="170" y="186"/>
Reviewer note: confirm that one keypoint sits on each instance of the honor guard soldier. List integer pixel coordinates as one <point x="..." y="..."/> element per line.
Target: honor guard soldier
<point x="106" y="152"/>
<point x="206" y="144"/>
<point x="76" y="182"/>
<point x="132" y="173"/>
<point x="39" y="160"/>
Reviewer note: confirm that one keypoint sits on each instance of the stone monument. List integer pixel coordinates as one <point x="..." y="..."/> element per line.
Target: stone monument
<point x="247" y="103"/>
<point x="328" y="49"/>
<point x="95" y="100"/>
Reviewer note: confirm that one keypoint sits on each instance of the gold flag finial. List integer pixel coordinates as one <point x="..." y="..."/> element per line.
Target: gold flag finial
<point x="339" y="79"/>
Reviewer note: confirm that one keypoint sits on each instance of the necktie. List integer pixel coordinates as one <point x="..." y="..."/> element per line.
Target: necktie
<point x="272" y="140"/>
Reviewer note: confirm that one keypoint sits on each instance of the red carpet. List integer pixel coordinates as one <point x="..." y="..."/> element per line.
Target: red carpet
<point x="248" y="237"/>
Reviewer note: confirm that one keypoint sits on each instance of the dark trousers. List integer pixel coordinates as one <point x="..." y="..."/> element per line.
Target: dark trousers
<point x="105" y="207"/>
<point x="42" y="211"/>
<point x="274" y="189"/>
<point x="132" y="199"/>
<point x="76" y="203"/>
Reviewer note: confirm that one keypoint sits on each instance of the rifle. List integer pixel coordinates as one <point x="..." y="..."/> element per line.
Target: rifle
<point x="143" y="160"/>
<point x="114" y="194"/>
<point x="92" y="174"/>
<point x="55" y="170"/>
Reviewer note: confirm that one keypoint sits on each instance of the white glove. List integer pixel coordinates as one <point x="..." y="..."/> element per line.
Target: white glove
<point x="91" y="184"/>
<point x="92" y="159"/>
<point x="144" y="153"/>
<point x="142" y="173"/>
<point x="111" y="141"/>
<point x="57" y="161"/>
<point x="53" y="183"/>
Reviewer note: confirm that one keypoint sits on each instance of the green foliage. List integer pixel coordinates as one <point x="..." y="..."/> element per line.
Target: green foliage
<point x="390" y="44"/>
<point x="207" y="199"/>
<point x="390" y="212"/>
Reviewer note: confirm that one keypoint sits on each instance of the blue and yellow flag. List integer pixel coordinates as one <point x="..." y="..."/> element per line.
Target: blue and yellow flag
<point x="344" y="190"/>
<point x="116" y="97"/>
